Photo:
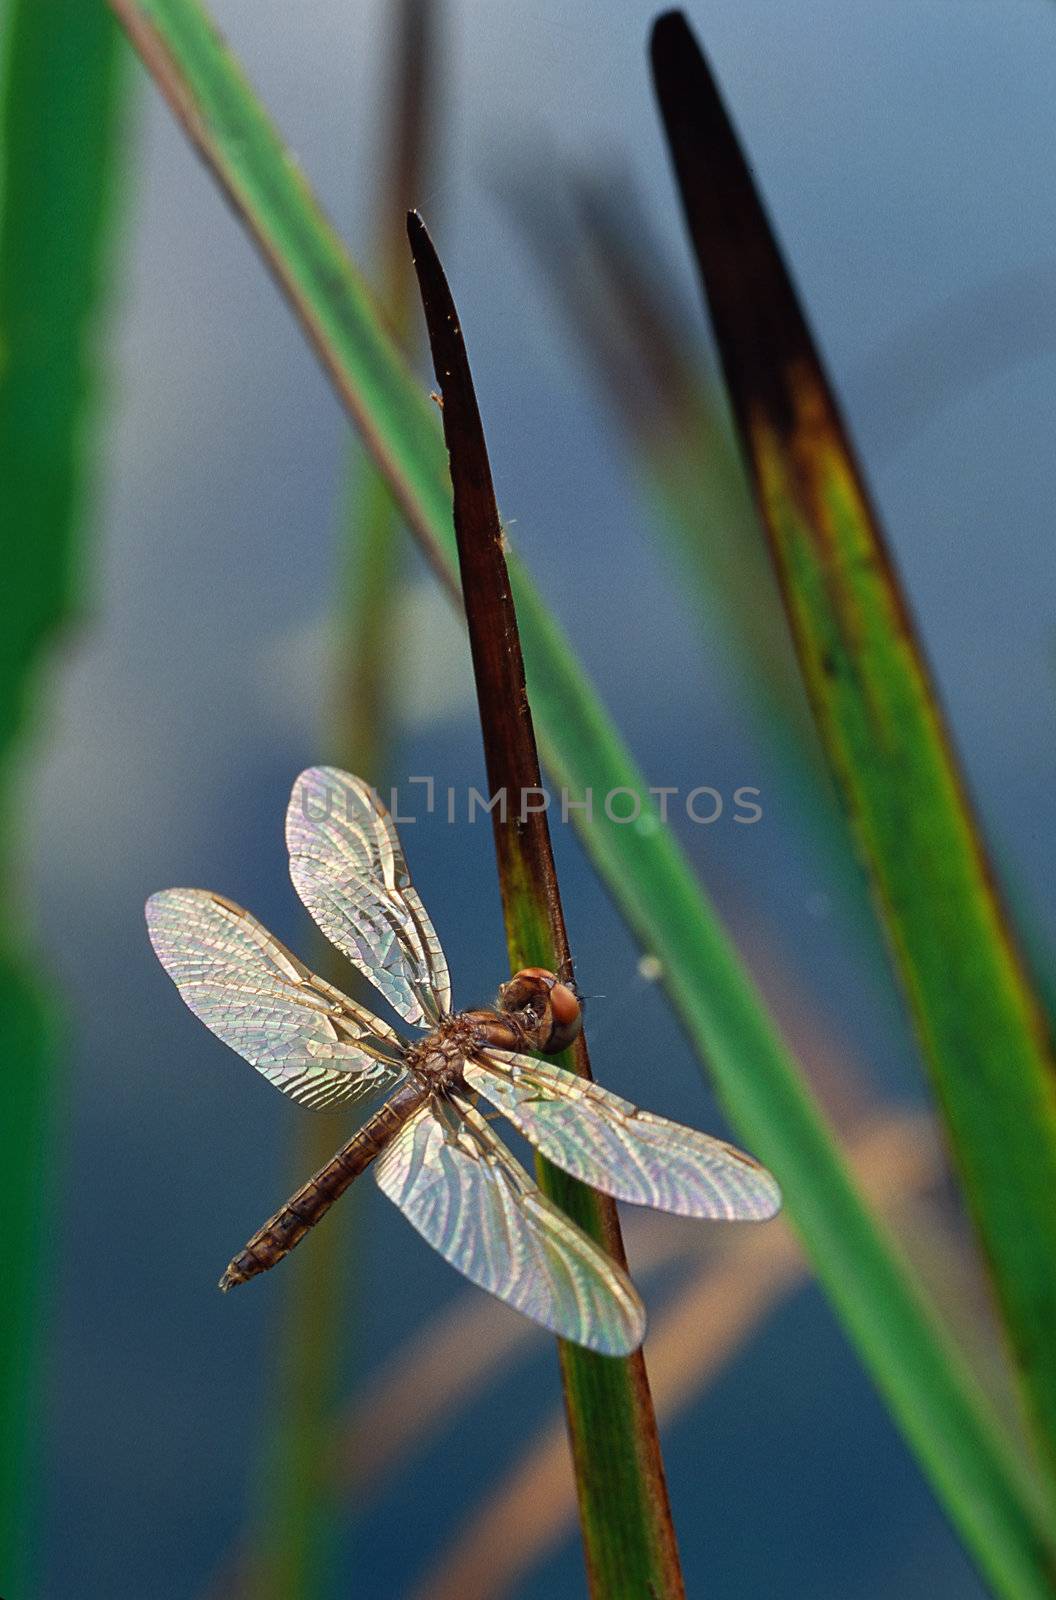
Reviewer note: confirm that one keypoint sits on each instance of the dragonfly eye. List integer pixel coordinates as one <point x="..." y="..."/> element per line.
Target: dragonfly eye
<point x="567" y="1014"/>
<point x="528" y="988"/>
<point x="549" y="1009"/>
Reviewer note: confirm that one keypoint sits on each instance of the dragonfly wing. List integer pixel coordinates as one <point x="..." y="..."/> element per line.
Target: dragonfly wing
<point x="347" y="866"/>
<point x="612" y="1145"/>
<point x="306" y="1037"/>
<point x="461" y="1188"/>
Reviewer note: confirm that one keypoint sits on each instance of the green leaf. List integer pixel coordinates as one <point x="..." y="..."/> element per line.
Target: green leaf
<point x="988" y="1493"/>
<point x="628" y="1534"/>
<point x="981" y="1024"/>
<point x="60" y="96"/>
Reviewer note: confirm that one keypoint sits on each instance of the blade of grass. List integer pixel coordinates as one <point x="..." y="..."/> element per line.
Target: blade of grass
<point x="60" y="99"/>
<point x="628" y="1535"/>
<point x="993" y="1502"/>
<point x="980" y="1021"/>
<point x="298" y="1523"/>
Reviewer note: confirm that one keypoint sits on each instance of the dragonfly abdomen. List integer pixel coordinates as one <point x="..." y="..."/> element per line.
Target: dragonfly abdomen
<point x="313" y="1199"/>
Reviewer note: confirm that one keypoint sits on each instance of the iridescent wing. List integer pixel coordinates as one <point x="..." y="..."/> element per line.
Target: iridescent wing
<point x="347" y="866"/>
<point x="612" y="1145"/>
<point x="459" y="1186"/>
<point x="306" y="1037"/>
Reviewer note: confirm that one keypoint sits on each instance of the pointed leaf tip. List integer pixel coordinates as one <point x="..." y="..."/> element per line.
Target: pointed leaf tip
<point x="671" y="35"/>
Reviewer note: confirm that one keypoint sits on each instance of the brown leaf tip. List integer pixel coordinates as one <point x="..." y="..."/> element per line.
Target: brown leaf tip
<point x="671" y="33"/>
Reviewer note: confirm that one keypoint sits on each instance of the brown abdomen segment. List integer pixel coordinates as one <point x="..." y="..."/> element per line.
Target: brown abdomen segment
<point x="313" y="1200"/>
<point x="289" y="1225"/>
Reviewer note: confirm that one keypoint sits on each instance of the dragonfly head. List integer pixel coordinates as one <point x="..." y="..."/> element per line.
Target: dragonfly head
<point x="549" y="1008"/>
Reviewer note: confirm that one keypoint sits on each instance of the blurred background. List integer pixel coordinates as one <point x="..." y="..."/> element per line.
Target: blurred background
<point x="905" y="152"/>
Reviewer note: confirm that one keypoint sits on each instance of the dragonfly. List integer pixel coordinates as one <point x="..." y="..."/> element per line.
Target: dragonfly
<point x="431" y="1142"/>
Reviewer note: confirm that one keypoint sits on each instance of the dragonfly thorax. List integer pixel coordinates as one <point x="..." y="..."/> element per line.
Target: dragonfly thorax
<point x="437" y="1059"/>
<point x="535" y="1012"/>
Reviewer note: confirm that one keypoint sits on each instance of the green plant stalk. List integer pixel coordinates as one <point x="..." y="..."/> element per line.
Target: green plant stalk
<point x="59" y="99"/>
<point x="989" y="1495"/>
<point x="628" y="1534"/>
<point x="982" y="1026"/>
